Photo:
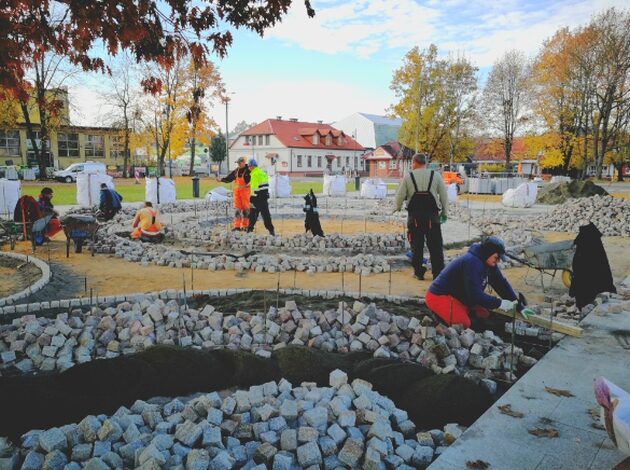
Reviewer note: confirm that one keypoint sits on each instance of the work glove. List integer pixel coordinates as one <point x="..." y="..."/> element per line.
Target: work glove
<point x="443" y="218"/>
<point x="507" y="305"/>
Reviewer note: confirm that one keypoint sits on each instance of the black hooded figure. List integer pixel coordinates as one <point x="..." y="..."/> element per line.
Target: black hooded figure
<point x="311" y="222"/>
<point x="591" y="270"/>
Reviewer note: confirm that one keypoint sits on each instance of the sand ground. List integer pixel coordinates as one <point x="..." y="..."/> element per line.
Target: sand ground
<point x="106" y="275"/>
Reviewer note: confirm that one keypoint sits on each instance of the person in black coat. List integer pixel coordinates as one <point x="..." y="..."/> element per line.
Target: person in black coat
<point x="591" y="270"/>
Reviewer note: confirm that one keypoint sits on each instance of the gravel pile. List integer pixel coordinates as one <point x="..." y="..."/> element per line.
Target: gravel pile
<point x="558" y="193"/>
<point x="33" y="343"/>
<point x="274" y="425"/>
<point x="611" y="216"/>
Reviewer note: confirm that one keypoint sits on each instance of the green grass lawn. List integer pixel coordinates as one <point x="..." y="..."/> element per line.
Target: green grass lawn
<point x="65" y="193"/>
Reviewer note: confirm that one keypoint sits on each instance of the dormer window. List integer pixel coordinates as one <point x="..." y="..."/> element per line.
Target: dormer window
<point x="316" y="139"/>
<point x="341" y="141"/>
<point x="329" y="139"/>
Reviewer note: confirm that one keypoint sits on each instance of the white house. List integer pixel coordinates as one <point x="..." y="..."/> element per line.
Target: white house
<point x="297" y="148"/>
<point x="370" y="130"/>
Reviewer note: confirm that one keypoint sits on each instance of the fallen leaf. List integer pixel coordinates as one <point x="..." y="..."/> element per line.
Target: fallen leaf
<point x="545" y="420"/>
<point x="598" y="426"/>
<point x="559" y="392"/>
<point x="594" y="413"/>
<point x="507" y="410"/>
<point x="477" y="464"/>
<point x="544" y="432"/>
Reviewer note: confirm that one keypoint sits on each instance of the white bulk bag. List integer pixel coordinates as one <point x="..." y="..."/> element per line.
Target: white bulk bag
<point x="89" y="188"/>
<point x="218" y="194"/>
<point x="167" y="190"/>
<point x="334" y="185"/>
<point x="279" y="186"/>
<point x="10" y="192"/>
<point x="523" y="196"/>
<point x="373" y="189"/>
<point x="620" y="414"/>
<point x="451" y="192"/>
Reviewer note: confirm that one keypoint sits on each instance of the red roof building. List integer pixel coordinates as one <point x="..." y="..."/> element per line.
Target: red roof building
<point x="390" y="160"/>
<point x="298" y="148"/>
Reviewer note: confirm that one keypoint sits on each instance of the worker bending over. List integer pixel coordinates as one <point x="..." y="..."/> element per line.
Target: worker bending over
<point x="146" y="224"/>
<point x="241" y="193"/>
<point x="460" y="286"/>
<point x="259" y="198"/>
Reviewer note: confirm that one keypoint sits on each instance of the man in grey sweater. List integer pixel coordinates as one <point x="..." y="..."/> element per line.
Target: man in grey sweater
<point x="427" y="206"/>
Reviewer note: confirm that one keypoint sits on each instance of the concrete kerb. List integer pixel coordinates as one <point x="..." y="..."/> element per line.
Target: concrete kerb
<point x="172" y="294"/>
<point x="37" y="285"/>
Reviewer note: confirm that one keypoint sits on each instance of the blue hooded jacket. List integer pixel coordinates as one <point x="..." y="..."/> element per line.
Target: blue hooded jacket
<point x="466" y="278"/>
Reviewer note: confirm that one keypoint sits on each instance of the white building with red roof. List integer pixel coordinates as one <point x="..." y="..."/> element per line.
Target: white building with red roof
<point x="297" y="148"/>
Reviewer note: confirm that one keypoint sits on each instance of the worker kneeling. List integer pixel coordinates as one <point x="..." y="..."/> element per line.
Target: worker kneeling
<point x="460" y="286"/>
<point x="146" y="225"/>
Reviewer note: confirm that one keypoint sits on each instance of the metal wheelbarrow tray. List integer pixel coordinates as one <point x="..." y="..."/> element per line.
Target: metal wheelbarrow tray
<point x="549" y="258"/>
<point x="79" y="228"/>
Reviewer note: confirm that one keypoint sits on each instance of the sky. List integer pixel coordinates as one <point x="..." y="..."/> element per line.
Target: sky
<point x="342" y="60"/>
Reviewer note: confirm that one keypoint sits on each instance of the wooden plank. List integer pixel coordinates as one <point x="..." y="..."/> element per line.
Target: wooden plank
<point x="537" y="320"/>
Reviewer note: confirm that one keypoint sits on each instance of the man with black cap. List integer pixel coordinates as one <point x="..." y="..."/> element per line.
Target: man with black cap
<point x="460" y="286"/>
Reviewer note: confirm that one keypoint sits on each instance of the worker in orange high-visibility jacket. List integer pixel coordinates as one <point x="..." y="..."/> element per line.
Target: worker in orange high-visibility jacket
<point x="241" y="193"/>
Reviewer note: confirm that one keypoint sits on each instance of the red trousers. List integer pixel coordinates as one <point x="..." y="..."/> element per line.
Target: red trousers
<point x="451" y="310"/>
<point x="241" y="205"/>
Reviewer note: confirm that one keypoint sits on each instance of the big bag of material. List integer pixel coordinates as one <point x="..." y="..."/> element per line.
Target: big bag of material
<point x="620" y="414"/>
<point x="89" y="188"/>
<point x="451" y="192"/>
<point x="218" y="194"/>
<point x="373" y="189"/>
<point x="10" y="192"/>
<point x="523" y="196"/>
<point x="334" y="185"/>
<point x="167" y="190"/>
<point x="279" y="186"/>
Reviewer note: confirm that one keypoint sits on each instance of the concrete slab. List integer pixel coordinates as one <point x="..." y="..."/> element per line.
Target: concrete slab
<point x="504" y="441"/>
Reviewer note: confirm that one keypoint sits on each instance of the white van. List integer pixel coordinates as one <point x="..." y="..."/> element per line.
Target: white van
<point x="69" y="175"/>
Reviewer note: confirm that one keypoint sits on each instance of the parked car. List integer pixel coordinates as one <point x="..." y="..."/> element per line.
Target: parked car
<point x="69" y="175"/>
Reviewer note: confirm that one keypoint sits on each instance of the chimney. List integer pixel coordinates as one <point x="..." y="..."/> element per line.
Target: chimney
<point x="320" y="122"/>
<point x="279" y="118"/>
<point x="293" y="119"/>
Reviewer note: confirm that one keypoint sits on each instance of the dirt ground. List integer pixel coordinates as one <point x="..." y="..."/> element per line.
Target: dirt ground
<point x="108" y="275"/>
<point x="16" y="275"/>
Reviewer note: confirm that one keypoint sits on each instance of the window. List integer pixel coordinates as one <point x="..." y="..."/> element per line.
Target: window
<point x="94" y="147"/>
<point x="316" y="139"/>
<point x="347" y="162"/>
<point x="116" y="146"/>
<point x="309" y="161"/>
<point x="9" y="143"/>
<point x="68" y="145"/>
<point x="329" y="139"/>
<point x="338" y="162"/>
<point x="267" y="139"/>
<point x="341" y="141"/>
<point x="392" y="164"/>
<point x="260" y="140"/>
<point x="38" y="139"/>
<point x="319" y="161"/>
<point x="299" y="161"/>
<point x="356" y="162"/>
<point x="381" y="165"/>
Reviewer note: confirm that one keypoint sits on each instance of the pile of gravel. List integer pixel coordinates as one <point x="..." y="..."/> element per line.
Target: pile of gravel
<point x="33" y="343"/>
<point x="274" y="425"/>
<point x="558" y="193"/>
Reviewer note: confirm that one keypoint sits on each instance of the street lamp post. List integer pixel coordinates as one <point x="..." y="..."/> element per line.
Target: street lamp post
<point x="226" y="100"/>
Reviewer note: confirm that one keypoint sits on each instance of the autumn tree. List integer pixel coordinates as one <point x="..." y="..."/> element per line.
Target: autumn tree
<point x="151" y="31"/>
<point x="202" y="83"/>
<point x="123" y="95"/>
<point x="435" y="101"/>
<point x="506" y="98"/>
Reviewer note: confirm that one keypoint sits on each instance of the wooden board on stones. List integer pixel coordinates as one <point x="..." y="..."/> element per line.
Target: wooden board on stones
<point x="537" y="320"/>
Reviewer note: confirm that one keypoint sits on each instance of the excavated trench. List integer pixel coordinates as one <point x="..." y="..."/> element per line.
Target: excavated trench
<point x="102" y="386"/>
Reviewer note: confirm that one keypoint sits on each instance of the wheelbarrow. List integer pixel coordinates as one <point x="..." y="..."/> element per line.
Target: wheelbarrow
<point x="549" y="259"/>
<point x="79" y="229"/>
